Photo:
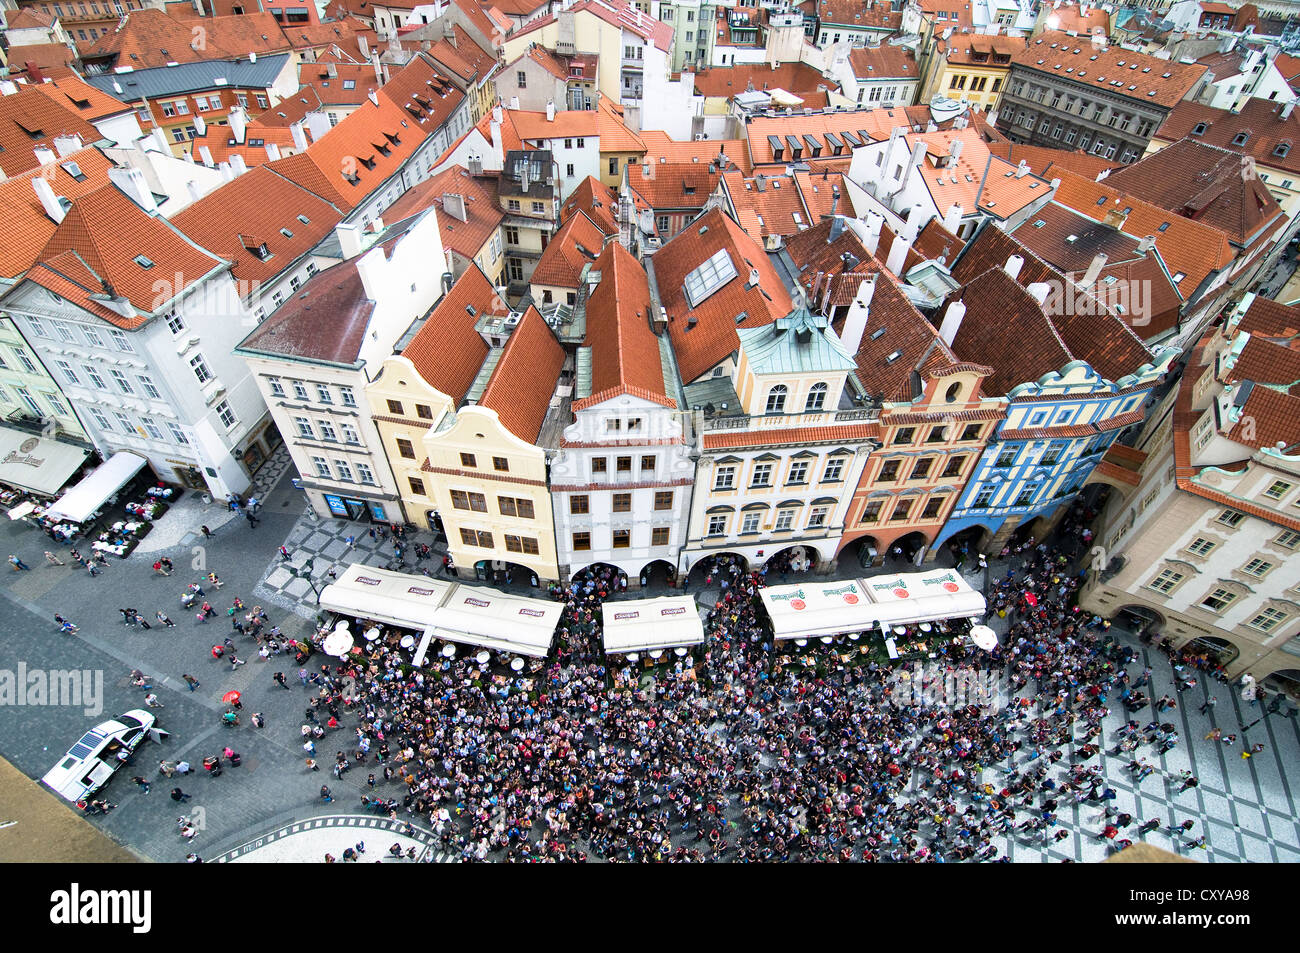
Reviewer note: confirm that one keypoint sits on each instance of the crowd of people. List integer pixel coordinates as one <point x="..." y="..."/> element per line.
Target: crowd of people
<point x="732" y="756"/>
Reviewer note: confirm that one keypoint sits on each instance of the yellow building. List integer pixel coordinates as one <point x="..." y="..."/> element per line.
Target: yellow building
<point x="973" y="67"/>
<point x="465" y="412"/>
<point x="619" y="145"/>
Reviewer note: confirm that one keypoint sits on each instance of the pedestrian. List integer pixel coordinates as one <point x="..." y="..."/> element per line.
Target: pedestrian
<point x="143" y="783"/>
<point x="152" y="701"/>
<point x="325" y="794"/>
<point x="258" y="720"/>
<point x="162" y="617"/>
<point x="215" y="580"/>
<point x="284" y="553"/>
<point x="1257" y="748"/>
<point x="18" y="563"/>
<point x="278" y="677"/>
<point x="1209" y="705"/>
<point x="311" y="763"/>
<point x="53" y="559"/>
<point x="191" y="681"/>
<point x="179" y="795"/>
<point x="252" y="520"/>
<point x="207" y="533"/>
<point x="1189" y="781"/>
<point x="141" y="621"/>
<point x="208" y="611"/>
<point x="351" y="541"/>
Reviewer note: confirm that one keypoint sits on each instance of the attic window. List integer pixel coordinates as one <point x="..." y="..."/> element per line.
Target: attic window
<point x="1165" y="75"/>
<point x="1199" y="129"/>
<point x="1102" y="200"/>
<point x="1179" y="277"/>
<point x="876" y="334"/>
<point x="142" y="261"/>
<point x="304" y="219"/>
<point x="1039" y="224"/>
<point x="893" y="357"/>
<point x="74" y="170"/>
<point x="286" y="233"/>
<point x="1282" y="149"/>
<point x="1240" y="138"/>
<point x="1071" y="239"/>
<point x="1163" y="226"/>
<point x="349" y="84"/>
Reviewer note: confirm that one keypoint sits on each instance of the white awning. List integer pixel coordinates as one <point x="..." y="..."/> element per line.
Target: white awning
<point x="811" y="610"/>
<point x="80" y="502"/>
<point x="638" y="625"/>
<point x="495" y="620"/>
<point x="397" y="598"/>
<point x="814" y="609"/>
<point x="37" y="463"/>
<point x="21" y="510"/>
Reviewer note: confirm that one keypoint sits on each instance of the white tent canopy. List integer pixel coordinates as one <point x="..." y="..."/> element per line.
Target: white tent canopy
<point x="494" y="620"/>
<point x="80" y="502"/>
<point x="37" y="463"/>
<point x="810" y="610"/>
<point x="396" y="598"/>
<point x="639" y="625"/>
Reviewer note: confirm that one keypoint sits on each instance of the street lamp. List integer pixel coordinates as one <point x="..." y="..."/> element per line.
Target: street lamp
<point x="305" y="573"/>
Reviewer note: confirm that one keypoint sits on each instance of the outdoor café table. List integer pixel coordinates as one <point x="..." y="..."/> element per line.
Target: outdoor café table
<point x="408" y="641"/>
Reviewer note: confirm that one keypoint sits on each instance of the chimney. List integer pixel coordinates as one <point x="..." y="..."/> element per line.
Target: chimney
<point x="200" y="126"/>
<point x="349" y="236"/>
<point x="238" y="165"/>
<point x="1013" y="266"/>
<point x="238" y="124"/>
<point x="1022" y="170"/>
<point x="53" y="207"/>
<point x="550" y="111"/>
<point x="475" y="165"/>
<point x="132" y="182"/>
<point x="332" y="71"/>
<point x="454" y="205"/>
<point x="1146" y="244"/>
<point x="898" y="254"/>
<point x="855" y="323"/>
<point x="379" y="69"/>
<point x="952" y="319"/>
<point x="192" y="188"/>
<point x="371" y="267"/>
<point x="918" y="154"/>
<point x="952" y="221"/>
<point x="1039" y="290"/>
<point x="272" y="151"/>
<point x="954" y="152"/>
<point x="875" y="222"/>
<point x="67" y="145"/>
<point x="44" y="156"/>
<point x="227" y="174"/>
<point x="1094" y="269"/>
<point x="1114" y="219"/>
<point x="160" y="140"/>
<point x="299" y="136"/>
<point x="1287" y="109"/>
<point x="837" y="229"/>
<point x="497" y="113"/>
<point x="206" y="155"/>
<point x="373" y="97"/>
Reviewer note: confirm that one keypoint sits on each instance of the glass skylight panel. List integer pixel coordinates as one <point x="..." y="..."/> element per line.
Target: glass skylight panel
<point x="709" y="277"/>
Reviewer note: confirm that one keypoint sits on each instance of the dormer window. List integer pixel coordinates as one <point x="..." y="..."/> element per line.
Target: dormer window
<point x="776" y="399"/>
<point x="1199" y="129"/>
<point x="816" y="397"/>
<point x="1240" y="138"/>
<point x="1283" y="148"/>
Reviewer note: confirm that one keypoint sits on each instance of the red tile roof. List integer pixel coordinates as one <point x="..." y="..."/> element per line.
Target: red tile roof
<point x="1070" y="18"/>
<point x="99" y="240"/>
<point x="666" y="186"/>
<point x="659" y="146"/>
<point x="1073" y="58"/>
<point x="31" y="118"/>
<point x="597" y="201"/>
<point x="447" y="351"/>
<point x="863" y="14"/>
<point x="799" y="436"/>
<point x="886" y="61"/>
<point x="727" y="81"/>
<point x="150" y="38"/>
<point x="1266" y="362"/>
<point x="701" y="346"/>
<point x="482" y="210"/>
<point x="251" y="210"/>
<point x="624" y="349"/>
<point x="771" y="210"/>
<point x="28" y="18"/>
<point x="27" y="228"/>
<point x="1260" y="119"/>
<point x="618" y="13"/>
<point x="1046" y="162"/>
<point x="324" y="320"/>
<point x="577" y="243"/>
<point x="1270" y="319"/>
<point x="523" y="382"/>
<point x="567" y="123"/>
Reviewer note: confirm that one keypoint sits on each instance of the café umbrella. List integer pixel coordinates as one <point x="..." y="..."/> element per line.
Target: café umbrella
<point x="338" y="643"/>
<point x="984" y="637"/>
<point x="231" y="697"/>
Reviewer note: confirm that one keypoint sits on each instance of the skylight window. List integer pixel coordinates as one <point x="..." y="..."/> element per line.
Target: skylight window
<point x="709" y="277"/>
<point x="1179" y="277"/>
<point x="143" y="262"/>
<point x="73" y="170"/>
<point x="304" y="219"/>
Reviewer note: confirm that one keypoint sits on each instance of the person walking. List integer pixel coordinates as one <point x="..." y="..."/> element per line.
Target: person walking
<point x="215" y="580"/>
<point x="325" y="794"/>
<point x="279" y="680"/>
<point x="143" y="783"/>
<point x="179" y="795"/>
<point x="207" y="533"/>
<point x="284" y="553"/>
<point x="53" y="559"/>
<point x="258" y="720"/>
<point x="1209" y="705"/>
<point x="208" y="611"/>
<point x="142" y="622"/>
<point x="252" y="520"/>
<point x="162" y="617"/>
<point x="17" y="563"/>
<point x="191" y="681"/>
<point x="152" y="701"/>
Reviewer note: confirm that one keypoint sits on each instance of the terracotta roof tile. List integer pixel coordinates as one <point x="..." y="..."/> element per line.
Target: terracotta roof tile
<point x="624" y="349"/>
<point x="666" y="186"/>
<point x="150" y="38"/>
<point x="614" y="134"/>
<point x="447" y="351"/>
<point x="1265" y="362"/>
<point x="818" y="192"/>
<point x="28" y="229"/>
<point x="886" y="61"/>
<point x="324" y="320"/>
<point x="1260" y="118"/>
<point x="1054" y="53"/>
<point x="659" y="146"/>
<point x="595" y="200"/>
<point x="1268" y="418"/>
<point x="258" y="203"/>
<point x="1070" y="18"/>
<point x="727" y="439"/>
<point x="31" y="118"/>
<point x="727" y="81"/>
<point x="1271" y="319"/>
<point x="1046" y="162"/>
<point x="618" y="13"/>
<point x="483" y="213"/>
<point x="577" y="243"/>
<point x="523" y="383"/>
<point x="867" y="13"/>
<point x="774" y="209"/>
<point x="700" y="346"/>
<point x="567" y="123"/>
<point x="1203" y="183"/>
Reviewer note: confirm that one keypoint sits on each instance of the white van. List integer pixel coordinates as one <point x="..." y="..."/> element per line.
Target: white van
<point x="91" y="762"/>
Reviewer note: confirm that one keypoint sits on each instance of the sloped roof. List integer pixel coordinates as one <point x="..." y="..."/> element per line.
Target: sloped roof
<point x="673" y="185"/>
<point x="191" y="77"/>
<point x="447" y="351"/>
<point x="1163" y="82"/>
<point x="524" y="380"/>
<point x="617" y="13"/>
<point x="29" y="119"/>
<point x="28" y="18"/>
<point x="577" y="243"/>
<point x="886" y="61"/>
<point x="596" y="200"/>
<point x="482" y="211"/>
<point x="624" y="349"/>
<point x="713" y="336"/>
<point x="659" y="146"/>
<point x="1046" y="162"/>
<point x="771" y="210"/>
<point x="258" y="203"/>
<point x="1203" y="183"/>
<point x="324" y="320"/>
<point x="1260" y="119"/>
<point x="27" y="228"/>
<point x="152" y="38"/>
<point x="727" y="81"/>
